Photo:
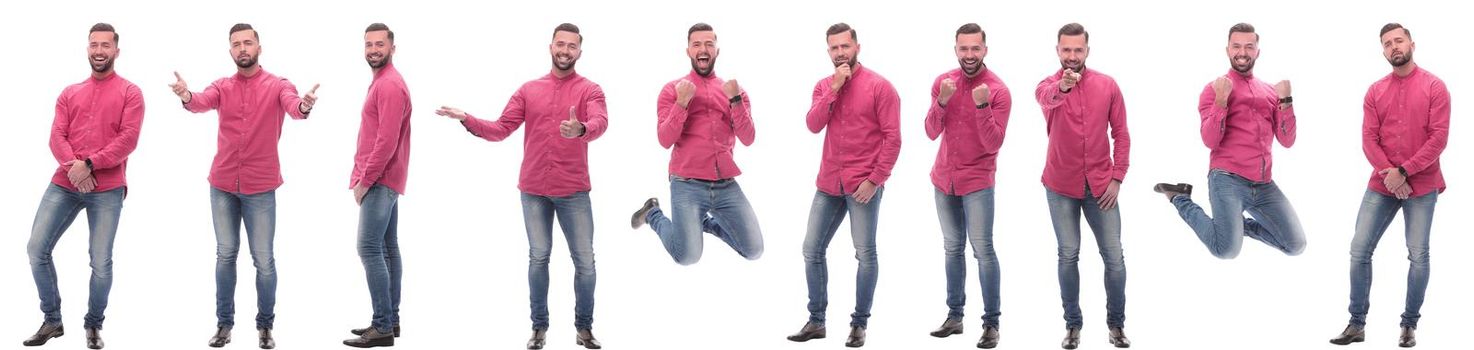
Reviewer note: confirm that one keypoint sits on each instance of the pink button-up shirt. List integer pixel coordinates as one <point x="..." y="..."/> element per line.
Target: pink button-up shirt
<point x="705" y="131"/>
<point x="1241" y="135"/>
<point x="971" y="137"/>
<point x="383" y="133"/>
<point x="864" y="137"/>
<point x="252" y="111"/>
<point x="552" y="166"/>
<point x="97" y="119"/>
<point x="1077" y="123"/>
<point x="1406" y="124"/>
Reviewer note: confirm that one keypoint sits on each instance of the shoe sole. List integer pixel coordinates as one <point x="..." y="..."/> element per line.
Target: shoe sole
<point x="947" y="333"/>
<point x="804" y="339"/>
<point x="1353" y="340"/>
<point x="372" y="343"/>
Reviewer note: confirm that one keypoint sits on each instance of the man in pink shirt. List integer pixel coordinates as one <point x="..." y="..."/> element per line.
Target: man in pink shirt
<point x="564" y="112"/>
<point x="95" y="129"/>
<point x="702" y="116"/>
<point x="969" y="111"/>
<point x="1242" y="116"/>
<point x="1404" y="130"/>
<point x="861" y="112"/>
<point x="1089" y="152"/>
<point x="380" y="171"/>
<point x="243" y="180"/>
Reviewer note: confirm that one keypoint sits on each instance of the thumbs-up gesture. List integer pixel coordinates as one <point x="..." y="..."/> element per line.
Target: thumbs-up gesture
<point x="731" y="89"/>
<point x="309" y="99"/>
<point x="180" y="88"/>
<point x="684" y="91"/>
<point x="944" y="92"/>
<point x="1222" y="87"/>
<point x="980" y="95"/>
<point x="571" y="128"/>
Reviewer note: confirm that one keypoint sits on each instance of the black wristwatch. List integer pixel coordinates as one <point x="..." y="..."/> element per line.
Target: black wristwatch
<point x="984" y="105"/>
<point x="735" y="99"/>
<point x="1400" y="170"/>
<point x="1286" y="100"/>
<point x="89" y="164"/>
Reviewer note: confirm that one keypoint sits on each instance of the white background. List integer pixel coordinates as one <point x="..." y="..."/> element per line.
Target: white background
<point x="461" y="225"/>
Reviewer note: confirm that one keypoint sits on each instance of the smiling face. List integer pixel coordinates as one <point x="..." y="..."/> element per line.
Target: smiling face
<point x="1397" y="47"/>
<point x="244" y="48"/>
<point x="102" y="50"/>
<point x="378" y="49"/>
<point x="1243" y="50"/>
<point x="1072" y="50"/>
<point x="701" y="47"/>
<point x="565" y="49"/>
<point x="970" y="51"/>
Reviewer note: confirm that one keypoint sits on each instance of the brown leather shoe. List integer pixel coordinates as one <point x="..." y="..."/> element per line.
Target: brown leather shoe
<point x="990" y="337"/>
<point x="360" y="331"/>
<point x="1407" y="339"/>
<point x="266" y="341"/>
<point x="538" y="340"/>
<point x="857" y="337"/>
<point x="1072" y="339"/>
<point x="949" y="327"/>
<point x="586" y="340"/>
<point x="1118" y="338"/>
<point x="371" y="338"/>
<point x="1173" y="190"/>
<point x="1352" y="334"/>
<point x="221" y="337"/>
<point x="638" y="219"/>
<point x="94" y="338"/>
<point x="45" y="334"/>
<point x="810" y="331"/>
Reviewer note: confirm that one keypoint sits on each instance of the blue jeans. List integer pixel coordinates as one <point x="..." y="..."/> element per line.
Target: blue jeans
<point x="576" y="217"/>
<point x="825" y="216"/>
<point x="716" y="207"/>
<point x="1274" y="222"/>
<point x="969" y="218"/>
<point x="378" y="248"/>
<point x="59" y="207"/>
<point x="1377" y="211"/>
<point x="1065" y="212"/>
<point x="258" y="213"/>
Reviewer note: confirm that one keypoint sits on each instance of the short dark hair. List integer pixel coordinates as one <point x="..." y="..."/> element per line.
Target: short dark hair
<point x="104" y="27"/>
<point x="1243" y="28"/>
<point x="699" y="27"/>
<point x="568" y="27"/>
<point x="1073" y="29"/>
<point x="380" y="27"/>
<point x="971" y="28"/>
<point x="842" y="27"/>
<point x="242" y="26"/>
<point x="1394" y="25"/>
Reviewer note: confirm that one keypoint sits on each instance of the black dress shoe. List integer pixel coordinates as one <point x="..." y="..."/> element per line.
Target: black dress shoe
<point x="1352" y="334"/>
<point x="360" y="331"/>
<point x="810" y="331"/>
<point x="266" y="341"/>
<point x="586" y="340"/>
<point x="1173" y="190"/>
<point x="538" y="339"/>
<point x="638" y="219"/>
<point x="857" y="337"/>
<point x="1118" y="338"/>
<point x="222" y="337"/>
<point x="990" y="337"/>
<point x="45" y="334"/>
<point x="1407" y="339"/>
<point x="949" y="327"/>
<point x="371" y="338"/>
<point x="94" y="339"/>
<point x="1072" y="339"/>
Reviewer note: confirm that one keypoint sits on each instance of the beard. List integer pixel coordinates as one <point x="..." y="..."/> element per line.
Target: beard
<point x="971" y="69"/>
<point x="101" y="67"/>
<point x="1396" y="61"/>
<point x="1246" y="67"/>
<point x="843" y="60"/>
<point x="711" y="65"/>
<point x="245" y="61"/>
<point x="383" y="60"/>
<point x="561" y="66"/>
<point x="1076" y="66"/>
